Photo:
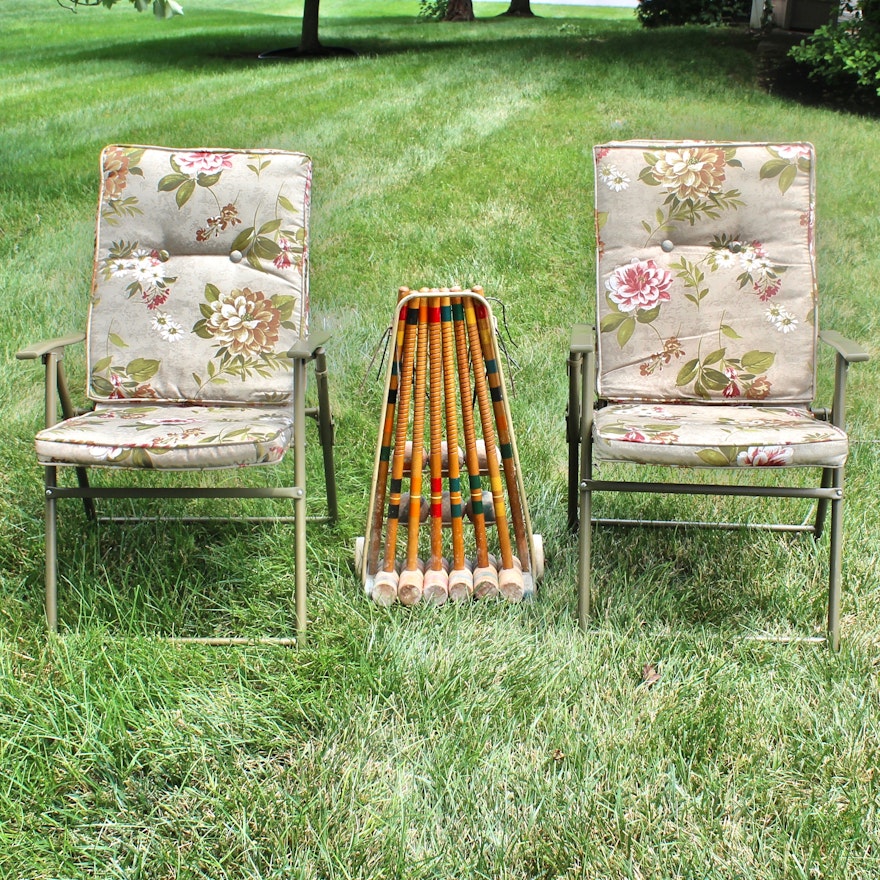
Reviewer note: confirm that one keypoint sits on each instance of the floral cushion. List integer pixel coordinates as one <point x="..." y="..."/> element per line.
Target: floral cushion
<point x="134" y="435"/>
<point x="706" y="278"/>
<point x="201" y="275"/>
<point x="693" y="435"/>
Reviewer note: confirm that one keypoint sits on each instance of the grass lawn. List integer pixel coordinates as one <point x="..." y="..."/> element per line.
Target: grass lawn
<point x="489" y="741"/>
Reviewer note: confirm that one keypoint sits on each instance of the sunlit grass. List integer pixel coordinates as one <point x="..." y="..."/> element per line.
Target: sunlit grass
<point x="492" y="741"/>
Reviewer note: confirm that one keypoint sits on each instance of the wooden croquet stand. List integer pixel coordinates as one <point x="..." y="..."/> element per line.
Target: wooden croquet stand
<point x="443" y="379"/>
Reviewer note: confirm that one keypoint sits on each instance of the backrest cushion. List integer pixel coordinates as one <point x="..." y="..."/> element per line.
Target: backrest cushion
<point x="706" y="287"/>
<point x="201" y="274"/>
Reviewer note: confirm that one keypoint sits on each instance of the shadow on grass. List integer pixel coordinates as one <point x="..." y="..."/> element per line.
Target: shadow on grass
<point x="576" y="38"/>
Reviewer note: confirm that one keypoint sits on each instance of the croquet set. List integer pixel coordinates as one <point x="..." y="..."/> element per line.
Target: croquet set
<point x="446" y="413"/>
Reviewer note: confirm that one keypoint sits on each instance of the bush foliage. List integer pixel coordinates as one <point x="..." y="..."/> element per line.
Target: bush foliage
<point x="844" y="58"/>
<point x="656" y="13"/>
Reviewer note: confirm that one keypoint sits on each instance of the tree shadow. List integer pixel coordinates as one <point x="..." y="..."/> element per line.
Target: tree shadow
<point x="258" y="40"/>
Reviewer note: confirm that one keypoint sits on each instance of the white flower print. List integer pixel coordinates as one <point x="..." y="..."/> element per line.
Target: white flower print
<point x="781" y="319"/>
<point x="722" y="258"/>
<point x="787" y="324"/>
<point x="167" y="327"/>
<point x="615" y="179"/>
<point x="105" y="453"/>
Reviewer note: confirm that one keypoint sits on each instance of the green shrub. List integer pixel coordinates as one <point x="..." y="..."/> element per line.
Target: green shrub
<point x="432" y="10"/>
<point x="844" y="58"/>
<point x="655" y="13"/>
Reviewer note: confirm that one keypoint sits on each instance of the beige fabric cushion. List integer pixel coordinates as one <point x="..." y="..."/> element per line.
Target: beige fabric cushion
<point x="132" y="435"/>
<point x="201" y="275"/>
<point x="716" y="436"/>
<point x="706" y="279"/>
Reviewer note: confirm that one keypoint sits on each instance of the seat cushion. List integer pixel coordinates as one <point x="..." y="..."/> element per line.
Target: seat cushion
<point x="692" y="435"/>
<point x="169" y="437"/>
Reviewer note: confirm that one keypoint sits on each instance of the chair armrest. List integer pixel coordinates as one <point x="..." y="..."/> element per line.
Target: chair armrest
<point x="306" y="347"/>
<point x="850" y="351"/>
<point x="38" y="349"/>
<point x="583" y="338"/>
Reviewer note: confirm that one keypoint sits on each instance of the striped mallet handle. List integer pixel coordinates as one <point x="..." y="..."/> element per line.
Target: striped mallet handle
<point x="461" y="579"/>
<point x="411" y="581"/>
<point x="436" y="584"/>
<point x="485" y="576"/>
<point x="385" y="584"/>
<point x="510" y="579"/>
<point x="505" y="438"/>
<point x="387" y="443"/>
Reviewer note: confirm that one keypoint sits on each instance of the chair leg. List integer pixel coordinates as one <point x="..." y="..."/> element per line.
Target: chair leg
<point x="573" y="426"/>
<point x="326" y="434"/>
<point x="585" y="540"/>
<point x="822" y="504"/>
<point x="834" y="564"/>
<point x="299" y="502"/>
<point x="585" y="476"/>
<point x="51" y="551"/>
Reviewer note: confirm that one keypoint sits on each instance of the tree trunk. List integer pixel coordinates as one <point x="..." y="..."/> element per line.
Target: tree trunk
<point x="309" y="43"/>
<point x="460" y="10"/>
<point x="310" y="46"/>
<point x="520" y="8"/>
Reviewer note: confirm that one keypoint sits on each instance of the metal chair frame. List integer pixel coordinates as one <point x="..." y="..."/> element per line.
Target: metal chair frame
<point x="582" y="402"/>
<point x="51" y="352"/>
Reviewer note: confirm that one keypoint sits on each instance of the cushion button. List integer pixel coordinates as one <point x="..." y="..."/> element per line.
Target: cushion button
<point x="667" y="246"/>
<point x="235" y="256"/>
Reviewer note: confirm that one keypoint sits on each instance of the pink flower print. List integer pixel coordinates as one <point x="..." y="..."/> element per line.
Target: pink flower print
<point x="732" y="388"/>
<point x="118" y="393"/>
<point x="640" y="285"/>
<point x="634" y="436"/>
<point x="760" y="271"/>
<point x="793" y="151"/>
<point x="765" y="456"/>
<point x="203" y="162"/>
<point x="283" y="260"/>
<point x="155" y="296"/>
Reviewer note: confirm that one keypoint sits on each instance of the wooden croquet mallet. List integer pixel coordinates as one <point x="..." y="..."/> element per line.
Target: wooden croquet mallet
<point x="502" y="426"/>
<point x="510" y="579"/>
<point x="378" y="513"/>
<point x="410" y="584"/>
<point x="386" y="581"/>
<point x="436" y="582"/>
<point x="461" y="578"/>
<point x="485" y="576"/>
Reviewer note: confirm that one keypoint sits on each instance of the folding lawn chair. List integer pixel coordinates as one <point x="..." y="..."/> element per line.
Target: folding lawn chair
<point x="705" y="355"/>
<point x="197" y="337"/>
